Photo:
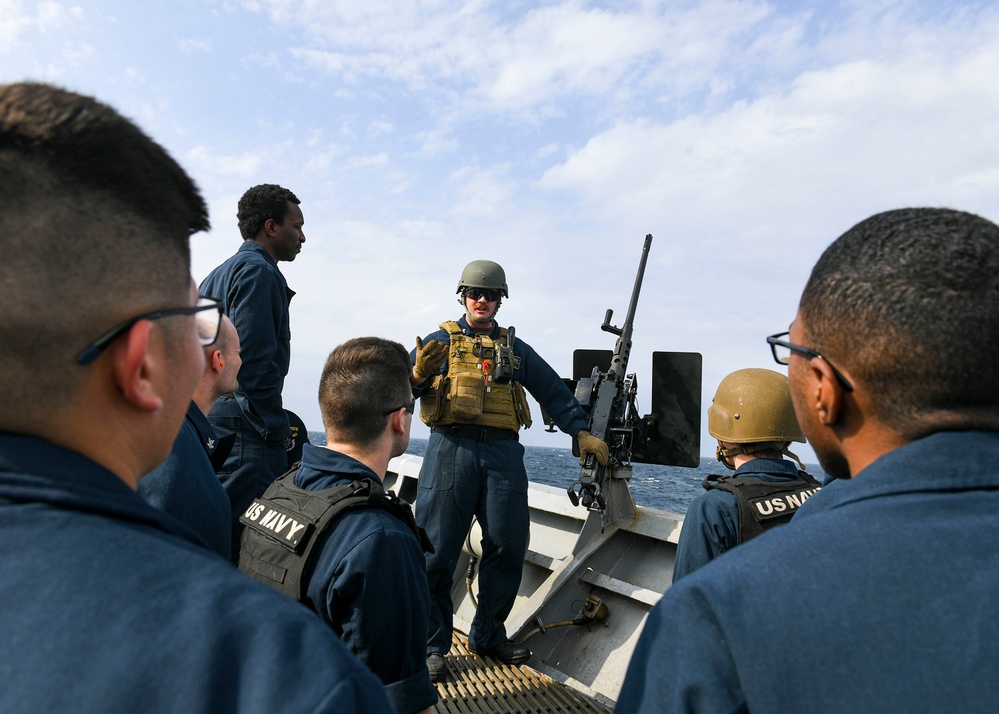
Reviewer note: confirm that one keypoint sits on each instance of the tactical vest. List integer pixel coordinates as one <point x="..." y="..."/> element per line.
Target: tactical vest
<point x="284" y="526"/>
<point x="478" y="387"/>
<point x="764" y="504"/>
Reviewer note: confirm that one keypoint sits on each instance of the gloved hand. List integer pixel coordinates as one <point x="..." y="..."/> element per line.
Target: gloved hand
<point x="589" y="444"/>
<point x="430" y="358"/>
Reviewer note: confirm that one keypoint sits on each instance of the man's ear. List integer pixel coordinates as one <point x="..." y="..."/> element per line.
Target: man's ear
<point x="270" y="227"/>
<point x="397" y="421"/>
<point x="133" y="366"/>
<point x="825" y="391"/>
<point x="216" y="362"/>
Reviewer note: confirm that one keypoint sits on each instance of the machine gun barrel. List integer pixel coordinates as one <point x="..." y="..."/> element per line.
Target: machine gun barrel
<point x="609" y="407"/>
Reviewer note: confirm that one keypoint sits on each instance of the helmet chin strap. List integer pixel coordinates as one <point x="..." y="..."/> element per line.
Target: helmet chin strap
<point x="471" y="319"/>
<point x="724" y="455"/>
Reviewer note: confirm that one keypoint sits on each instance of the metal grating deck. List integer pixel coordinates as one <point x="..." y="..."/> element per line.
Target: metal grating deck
<point x="478" y="684"/>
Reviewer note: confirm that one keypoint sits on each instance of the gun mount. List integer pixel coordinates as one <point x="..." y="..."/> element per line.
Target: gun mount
<point x="669" y="435"/>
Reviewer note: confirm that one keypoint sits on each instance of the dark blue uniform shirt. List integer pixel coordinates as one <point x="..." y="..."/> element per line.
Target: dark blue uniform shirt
<point x="711" y="525"/>
<point x="106" y="608"/>
<point x="186" y="486"/>
<point x="256" y="297"/>
<point x="879" y="596"/>
<point x="369" y="584"/>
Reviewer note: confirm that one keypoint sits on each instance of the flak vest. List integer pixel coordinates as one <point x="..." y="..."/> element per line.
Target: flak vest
<point x="764" y="504"/>
<point x="284" y="526"/>
<point x="478" y="387"/>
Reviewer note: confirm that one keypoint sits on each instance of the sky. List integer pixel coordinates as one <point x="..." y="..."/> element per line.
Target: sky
<point x="550" y="137"/>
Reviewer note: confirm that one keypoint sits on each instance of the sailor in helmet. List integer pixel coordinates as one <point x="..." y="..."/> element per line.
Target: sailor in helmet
<point x="753" y="420"/>
<point x="470" y="376"/>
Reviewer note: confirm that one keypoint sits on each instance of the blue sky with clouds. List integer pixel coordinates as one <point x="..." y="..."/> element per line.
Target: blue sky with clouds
<point x="550" y="137"/>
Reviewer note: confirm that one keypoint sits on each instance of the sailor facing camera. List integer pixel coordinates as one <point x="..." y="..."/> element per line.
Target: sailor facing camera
<point x="753" y="420"/>
<point x="110" y="605"/>
<point x="470" y="376"/>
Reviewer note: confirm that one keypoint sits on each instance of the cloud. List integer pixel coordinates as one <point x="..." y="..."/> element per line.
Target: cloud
<point x="202" y="160"/>
<point x="13" y="22"/>
<point x="482" y="193"/>
<point x="907" y="127"/>
<point x="29" y="25"/>
<point x="195" y="45"/>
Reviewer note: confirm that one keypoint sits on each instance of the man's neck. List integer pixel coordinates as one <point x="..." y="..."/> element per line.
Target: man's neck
<point x="480" y="326"/>
<point x="262" y="242"/>
<point x="375" y="459"/>
<point x="205" y="398"/>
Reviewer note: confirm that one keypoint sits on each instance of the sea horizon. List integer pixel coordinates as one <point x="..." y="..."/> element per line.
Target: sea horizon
<point x="668" y="488"/>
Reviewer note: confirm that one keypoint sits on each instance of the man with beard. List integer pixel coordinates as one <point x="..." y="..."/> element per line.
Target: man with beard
<point x="471" y="376"/>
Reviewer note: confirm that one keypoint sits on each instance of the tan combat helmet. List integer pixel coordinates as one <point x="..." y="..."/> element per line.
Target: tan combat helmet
<point x="483" y="274"/>
<point x="752" y="408"/>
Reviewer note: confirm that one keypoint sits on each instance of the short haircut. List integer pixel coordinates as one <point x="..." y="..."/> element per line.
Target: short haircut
<point x="907" y="301"/>
<point x="260" y="204"/>
<point x="222" y="341"/>
<point x="95" y="219"/>
<point x="363" y="379"/>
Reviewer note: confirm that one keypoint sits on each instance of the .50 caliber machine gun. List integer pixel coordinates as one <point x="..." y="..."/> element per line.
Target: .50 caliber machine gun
<point x="669" y="435"/>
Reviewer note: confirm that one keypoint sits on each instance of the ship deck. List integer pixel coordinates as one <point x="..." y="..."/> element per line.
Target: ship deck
<point x="478" y="684"/>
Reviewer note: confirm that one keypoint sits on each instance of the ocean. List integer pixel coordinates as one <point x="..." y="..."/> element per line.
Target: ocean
<point x="669" y="488"/>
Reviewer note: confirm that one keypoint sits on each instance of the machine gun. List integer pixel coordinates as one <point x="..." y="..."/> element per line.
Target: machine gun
<point x="670" y="435"/>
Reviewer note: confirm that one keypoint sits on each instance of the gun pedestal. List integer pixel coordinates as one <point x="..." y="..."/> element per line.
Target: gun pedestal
<point x="617" y="495"/>
<point x="618" y="506"/>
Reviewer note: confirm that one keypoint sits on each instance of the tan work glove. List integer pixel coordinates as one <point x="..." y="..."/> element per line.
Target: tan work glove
<point x="430" y="358"/>
<point x="589" y="444"/>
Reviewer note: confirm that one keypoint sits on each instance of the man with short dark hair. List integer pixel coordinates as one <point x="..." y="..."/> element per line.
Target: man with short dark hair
<point x="880" y="594"/>
<point x="361" y="569"/>
<point x="107" y="606"/>
<point x="186" y="485"/>
<point x="255" y="296"/>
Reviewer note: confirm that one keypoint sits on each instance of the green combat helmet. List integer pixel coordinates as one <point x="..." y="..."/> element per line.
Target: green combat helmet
<point x="752" y="407"/>
<point x="483" y="274"/>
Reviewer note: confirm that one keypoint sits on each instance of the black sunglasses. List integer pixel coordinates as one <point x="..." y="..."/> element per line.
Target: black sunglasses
<point x="409" y="407"/>
<point x="480" y="293"/>
<point x="208" y="328"/>
<point x="782" y="350"/>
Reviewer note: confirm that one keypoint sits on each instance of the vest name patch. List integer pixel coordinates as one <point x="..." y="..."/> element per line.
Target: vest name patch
<point x="285" y="526"/>
<point x="781" y="505"/>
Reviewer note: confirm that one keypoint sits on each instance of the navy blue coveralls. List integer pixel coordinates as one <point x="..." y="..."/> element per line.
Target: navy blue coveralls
<point x="462" y="477"/>
<point x="186" y="486"/>
<point x="711" y="525"/>
<point x="369" y="584"/>
<point x="108" y="607"/>
<point x="256" y="297"/>
<point x="878" y="596"/>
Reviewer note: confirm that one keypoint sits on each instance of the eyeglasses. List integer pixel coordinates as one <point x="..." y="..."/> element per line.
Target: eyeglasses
<point x="481" y="293"/>
<point x="409" y="407"/>
<point x="782" y="350"/>
<point x="207" y="326"/>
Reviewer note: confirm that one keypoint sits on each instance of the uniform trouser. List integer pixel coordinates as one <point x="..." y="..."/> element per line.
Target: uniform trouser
<point x="251" y="466"/>
<point x="461" y="478"/>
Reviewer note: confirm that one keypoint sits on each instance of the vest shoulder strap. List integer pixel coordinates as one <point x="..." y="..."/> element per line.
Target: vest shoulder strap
<point x="284" y="526"/>
<point x="764" y="504"/>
